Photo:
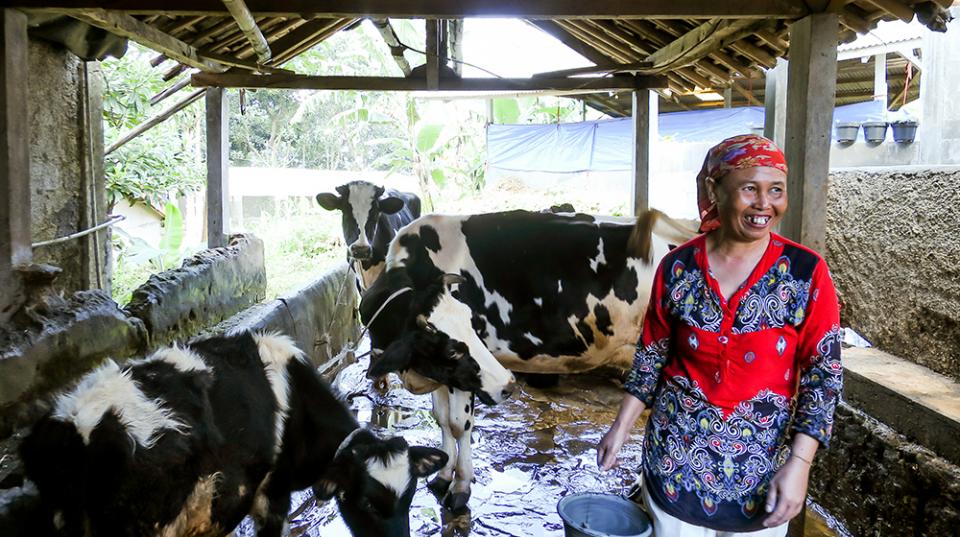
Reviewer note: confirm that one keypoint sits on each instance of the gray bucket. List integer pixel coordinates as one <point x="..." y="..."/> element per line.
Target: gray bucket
<point x="874" y="131"/>
<point x="847" y="132"/>
<point x="602" y="515"/>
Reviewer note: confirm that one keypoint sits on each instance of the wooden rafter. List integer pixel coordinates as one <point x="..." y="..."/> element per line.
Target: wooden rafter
<point x="696" y="44"/>
<point x="363" y="83"/>
<point x="240" y="13"/>
<point x="148" y="36"/>
<point x="444" y="9"/>
<point x="396" y="49"/>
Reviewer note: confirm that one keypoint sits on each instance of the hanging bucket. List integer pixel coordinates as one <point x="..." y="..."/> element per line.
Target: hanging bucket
<point x="875" y="131"/>
<point x="847" y="132"/>
<point x="602" y="515"/>
<point x="904" y="131"/>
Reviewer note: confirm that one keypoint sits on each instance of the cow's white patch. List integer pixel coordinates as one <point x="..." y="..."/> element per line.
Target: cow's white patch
<point x="182" y="358"/>
<point x="394" y="473"/>
<point x="452" y="317"/>
<point x="559" y="286"/>
<point x="361" y="197"/>
<point x="532" y="338"/>
<point x="261" y="505"/>
<point x="111" y="388"/>
<point x="195" y="515"/>
<point x="276" y="351"/>
<point x="538" y="301"/>
<point x="58" y="521"/>
<point x="600" y="258"/>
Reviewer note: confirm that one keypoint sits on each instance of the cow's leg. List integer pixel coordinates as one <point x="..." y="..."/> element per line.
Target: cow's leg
<point x="461" y="425"/>
<point x="270" y="507"/>
<point x="441" y="412"/>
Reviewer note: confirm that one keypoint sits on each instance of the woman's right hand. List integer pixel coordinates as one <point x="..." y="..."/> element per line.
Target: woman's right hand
<point x="610" y="444"/>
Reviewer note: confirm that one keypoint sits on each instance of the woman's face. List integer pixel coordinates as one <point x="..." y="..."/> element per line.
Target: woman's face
<point x="750" y="202"/>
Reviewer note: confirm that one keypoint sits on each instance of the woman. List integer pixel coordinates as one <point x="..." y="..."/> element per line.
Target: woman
<point x="740" y="358"/>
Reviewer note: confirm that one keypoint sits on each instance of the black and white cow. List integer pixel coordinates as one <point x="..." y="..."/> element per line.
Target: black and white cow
<point x="371" y="218"/>
<point x="191" y="440"/>
<point x="540" y="292"/>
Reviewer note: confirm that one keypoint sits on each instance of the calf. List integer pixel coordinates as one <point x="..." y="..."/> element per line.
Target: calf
<point x="371" y="218"/>
<point x="190" y="440"/>
<point x="540" y="292"/>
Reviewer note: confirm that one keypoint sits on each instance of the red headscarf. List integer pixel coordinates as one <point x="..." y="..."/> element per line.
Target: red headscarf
<point x="735" y="153"/>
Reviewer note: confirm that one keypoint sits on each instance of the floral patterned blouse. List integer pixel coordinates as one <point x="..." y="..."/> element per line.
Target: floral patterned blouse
<point x="730" y="382"/>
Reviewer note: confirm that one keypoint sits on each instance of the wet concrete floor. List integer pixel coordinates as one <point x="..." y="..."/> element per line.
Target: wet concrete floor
<point x="528" y="452"/>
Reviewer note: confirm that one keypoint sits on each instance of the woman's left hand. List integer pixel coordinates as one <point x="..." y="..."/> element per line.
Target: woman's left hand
<point x="788" y="492"/>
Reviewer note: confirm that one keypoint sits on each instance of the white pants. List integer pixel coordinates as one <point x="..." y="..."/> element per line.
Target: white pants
<point x="665" y="525"/>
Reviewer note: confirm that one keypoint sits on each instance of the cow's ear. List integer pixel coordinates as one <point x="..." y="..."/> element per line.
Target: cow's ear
<point x="390" y="205"/>
<point x="395" y="358"/>
<point x="426" y="460"/>
<point x="328" y="201"/>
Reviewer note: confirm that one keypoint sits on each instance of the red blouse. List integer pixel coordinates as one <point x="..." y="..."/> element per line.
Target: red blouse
<point x="726" y="380"/>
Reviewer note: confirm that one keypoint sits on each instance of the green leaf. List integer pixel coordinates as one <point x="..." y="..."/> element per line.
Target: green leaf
<point x="427" y="136"/>
<point x="506" y="110"/>
<point x="172" y="237"/>
<point x="439" y="178"/>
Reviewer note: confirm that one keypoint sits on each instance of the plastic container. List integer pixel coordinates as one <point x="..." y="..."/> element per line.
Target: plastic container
<point x="874" y="131"/>
<point x="904" y="131"/>
<point x="590" y="514"/>
<point x="847" y="132"/>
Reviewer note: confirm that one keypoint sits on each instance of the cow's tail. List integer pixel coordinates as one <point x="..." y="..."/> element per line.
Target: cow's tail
<point x="640" y="243"/>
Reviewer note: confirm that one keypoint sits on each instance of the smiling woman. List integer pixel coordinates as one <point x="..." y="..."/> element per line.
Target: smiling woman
<point x="739" y="359"/>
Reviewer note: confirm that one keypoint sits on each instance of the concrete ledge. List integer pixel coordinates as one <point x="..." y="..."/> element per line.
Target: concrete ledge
<point x="208" y="288"/>
<point x="55" y="343"/>
<point x="320" y="317"/>
<point x="922" y="404"/>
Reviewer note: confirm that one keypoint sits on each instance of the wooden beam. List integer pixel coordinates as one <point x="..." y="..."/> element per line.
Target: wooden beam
<point x="433" y="53"/>
<point x="148" y="36"/>
<point x="238" y="10"/>
<point x="811" y="90"/>
<point x="899" y="10"/>
<point x="701" y="41"/>
<point x="645" y="136"/>
<point x="558" y="32"/>
<point x="396" y="49"/>
<point x="635" y="67"/>
<point x="218" y="164"/>
<point x="373" y="83"/>
<point x="15" y="220"/>
<point x="755" y="53"/>
<point x="155" y="120"/>
<point x="95" y="245"/>
<point x="456" y="45"/>
<point x="444" y="9"/>
<point x="607" y="50"/>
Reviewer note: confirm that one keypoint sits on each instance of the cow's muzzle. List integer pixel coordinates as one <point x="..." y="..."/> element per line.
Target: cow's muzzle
<point x="360" y="252"/>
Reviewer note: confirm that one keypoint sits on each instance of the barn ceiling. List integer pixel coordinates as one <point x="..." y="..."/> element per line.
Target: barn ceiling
<point x="694" y="46"/>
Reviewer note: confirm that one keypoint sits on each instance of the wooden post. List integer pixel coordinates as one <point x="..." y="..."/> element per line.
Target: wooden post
<point x="433" y="54"/>
<point x="218" y="161"/>
<point x="728" y="97"/>
<point x="811" y="87"/>
<point x="15" y="250"/>
<point x="644" y="136"/>
<point x="775" y="103"/>
<point x="96" y="246"/>
<point x="456" y="45"/>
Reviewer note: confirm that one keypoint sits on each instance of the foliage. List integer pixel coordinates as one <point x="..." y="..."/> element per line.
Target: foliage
<point x="158" y="163"/>
<point x="137" y="259"/>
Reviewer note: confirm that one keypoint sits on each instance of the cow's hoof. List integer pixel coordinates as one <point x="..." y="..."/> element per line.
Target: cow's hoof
<point x="456" y="501"/>
<point x="439" y="486"/>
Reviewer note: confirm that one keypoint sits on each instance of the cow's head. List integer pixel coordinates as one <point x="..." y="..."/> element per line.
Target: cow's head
<point x="374" y="480"/>
<point x="361" y="204"/>
<point x="428" y="331"/>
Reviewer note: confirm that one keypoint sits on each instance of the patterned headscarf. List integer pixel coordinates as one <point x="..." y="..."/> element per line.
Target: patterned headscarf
<point x="735" y="153"/>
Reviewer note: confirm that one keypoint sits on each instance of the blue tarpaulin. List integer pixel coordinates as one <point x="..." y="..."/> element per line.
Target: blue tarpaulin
<point x="607" y="145"/>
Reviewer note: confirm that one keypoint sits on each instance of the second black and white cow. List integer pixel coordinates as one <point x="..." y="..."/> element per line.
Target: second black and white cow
<point x="371" y="218"/>
<point x="191" y="440"/>
<point x="539" y="292"/>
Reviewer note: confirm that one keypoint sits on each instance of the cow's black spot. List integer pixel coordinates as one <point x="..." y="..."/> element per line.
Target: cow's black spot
<point x="430" y="238"/>
<point x="466" y="426"/>
<point x="450" y="388"/>
<point x="467" y="408"/>
<point x="585" y="331"/>
<point x="604" y="324"/>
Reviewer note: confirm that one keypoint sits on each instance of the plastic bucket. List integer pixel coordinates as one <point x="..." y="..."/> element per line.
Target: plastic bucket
<point x="904" y="131"/>
<point x="875" y="131"/>
<point x="847" y="132"/>
<point x="602" y="515"/>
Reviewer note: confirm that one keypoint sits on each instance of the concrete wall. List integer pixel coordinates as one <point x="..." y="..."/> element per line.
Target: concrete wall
<point x="894" y="253"/>
<point x="59" y="150"/>
<point x="878" y="483"/>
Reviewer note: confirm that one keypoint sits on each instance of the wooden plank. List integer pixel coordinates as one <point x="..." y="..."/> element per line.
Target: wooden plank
<point x="148" y="36"/>
<point x="811" y="87"/>
<point x="456" y="45"/>
<point x="581" y="48"/>
<point x="444" y="9"/>
<point x="634" y="67"/>
<point x="373" y="83"/>
<point x="305" y="37"/>
<point x="701" y="41"/>
<point x="897" y="9"/>
<point x="240" y="13"/>
<point x="607" y="51"/>
<point x="218" y="163"/>
<point x="155" y="120"/>
<point x="433" y="54"/>
<point x="15" y="221"/>
<point x="644" y="137"/>
<point x="96" y="245"/>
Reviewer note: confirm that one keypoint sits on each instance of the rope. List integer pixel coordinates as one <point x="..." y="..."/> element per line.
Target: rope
<point x="111" y="221"/>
